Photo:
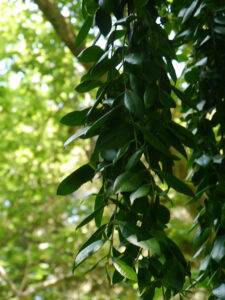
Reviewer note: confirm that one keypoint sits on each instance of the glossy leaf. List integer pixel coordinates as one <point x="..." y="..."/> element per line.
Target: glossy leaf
<point x="87" y="252"/>
<point x="127" y="182"/>
<point x="138" y="237"/>
<point x="219" y="291"/>
<point x="140" y="192"/>
<point x="218" y="251"/>
<point x="189" y="11"/>
<point x="78" y="134"/>
<point x="124" y="269"/>
<point x="134" y="104"/>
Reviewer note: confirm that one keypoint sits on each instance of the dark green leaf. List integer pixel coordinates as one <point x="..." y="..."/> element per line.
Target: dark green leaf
<point x="91" y="6"/>
<point x="92" y="215"/>
<point x="133" y="160"/>
<point x="154" y="141"/>
<point x="103" y="21"/>
<point x="106" y="5"/>
<point x="134" y="104"/>
<point x="121" y="153"/>
<point x="171" y="70"/>
<point x="166" y="100"/>
<point x="91" y="54"/>
<point x="174" y="274"/>
<point x="124" y="269"/>
<point x="127" y="182"/>
<point x="75" y="118"/>
<point x="99" y="204"/>
<point x="175" y="183"/>
<point x="137" y="236"/>
<point x="88" y="85"/>
<point x="84" y="31"/>
<point x="115" y="35"/>
<point x="102" y="120"/>
<point x="72" y="182"/>
<point x="140" y="3"/>
<point x="114" y="137"/>
<point x="183" y="97"/>
<point x="150" y="96"/>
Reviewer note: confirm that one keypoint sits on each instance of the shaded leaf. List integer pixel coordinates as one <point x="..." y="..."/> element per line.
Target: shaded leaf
<point x="103" y="21"/>
<point x="133" y="160"/>
<point x="166" y="100"/>
<point x="150" y="96"/>
<point x="154" y="141"/>
<point x="175" y="183"/>
<point x="72" y="182"/>
<point x="114" y="137"/>
<point x="91" y="216"/>
<point x="127" y="182"/>
<point x="136" y="236"/>
<point x="84" y="30"/>
<point x="90" y="54"/>
<point x="75" y="118"/>
<point x="88" y="85"/>
<point x="134" y="104"/>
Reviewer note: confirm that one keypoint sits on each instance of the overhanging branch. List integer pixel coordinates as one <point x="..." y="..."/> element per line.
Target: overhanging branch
<point x="61" y="25"/>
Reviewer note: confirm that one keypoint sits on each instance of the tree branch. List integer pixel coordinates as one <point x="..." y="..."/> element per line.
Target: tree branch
<point x="61" y="25"/>
<point x="8" y="280"/>
<point x="46" y="284"/>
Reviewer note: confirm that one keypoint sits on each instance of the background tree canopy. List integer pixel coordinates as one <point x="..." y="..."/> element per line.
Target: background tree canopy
<point x="151" y="143"/>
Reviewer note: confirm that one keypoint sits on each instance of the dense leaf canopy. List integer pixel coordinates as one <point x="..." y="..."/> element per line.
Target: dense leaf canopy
<point x="148" y="136"/>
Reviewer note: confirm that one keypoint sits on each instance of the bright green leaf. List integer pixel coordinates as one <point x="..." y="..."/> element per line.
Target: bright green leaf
<point x="124" y="269"/>
<point x="140" y="192"/>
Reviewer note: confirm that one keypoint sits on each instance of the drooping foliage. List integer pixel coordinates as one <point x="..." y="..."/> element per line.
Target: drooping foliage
<point x="145" y="120"/>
